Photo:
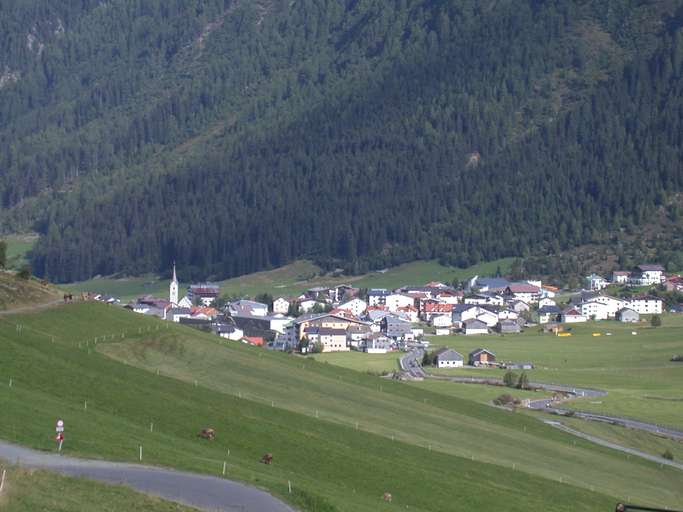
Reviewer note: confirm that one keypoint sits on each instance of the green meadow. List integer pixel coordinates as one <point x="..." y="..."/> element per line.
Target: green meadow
<point x="18" y="247"/>
<point x="31" y="491"/>
<point x="292" y="280"/>
<point x="636" y="370"/>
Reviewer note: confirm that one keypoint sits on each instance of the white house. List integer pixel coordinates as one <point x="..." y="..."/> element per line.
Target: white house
<point x="647" y="275"/>
<point x="490" y="299"/>
<point x="526" y="292"/>
<point x="546" y="301"/>
<point x="394" y="301"/>
<point x="248" y="308"/>
<point x="449" y="358"/>
<point x="442" y="321"/>
<point x="620" y="276"/>
<point x="476" y="326"/>
<point x="572" y="316"/>
<point x="628" y="315"/>
<point x="307" y="305"/>
<point x="229" y="332"/>
<point x="596" y="282"/>
<point x="281" y="305"/>
<point x="377" y="297"/>
<point x="646" y="305"/>
<point x="507" y="314"/>
<point x="602" y="307"/>
<point x="355" y="306"/>
<point x="442" y="331"/>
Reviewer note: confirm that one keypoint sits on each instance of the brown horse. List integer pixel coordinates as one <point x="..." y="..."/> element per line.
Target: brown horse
<point x="267" y="458"/>
<point x="207" y="433"/>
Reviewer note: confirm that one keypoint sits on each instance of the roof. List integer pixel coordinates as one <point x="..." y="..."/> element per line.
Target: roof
<point x="549" y="309"/>
<point x="378" y="292"/>
<point x="478" y="351"/>
<point x="571" y="312"/>
<point x="473" y="323"/>
<point x="491" y="282"/>
<point x="325" y="331"/>
<point x="448" y="354"/>
<point x="649" y="267"/>
<point x="254" y="340"/>
<point x="523" y="288"/>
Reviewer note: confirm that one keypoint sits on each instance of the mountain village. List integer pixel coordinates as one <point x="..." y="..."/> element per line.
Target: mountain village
<point x="376" y="321"/>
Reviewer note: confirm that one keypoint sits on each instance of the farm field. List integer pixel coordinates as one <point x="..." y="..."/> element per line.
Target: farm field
<point x="636" y="370"/>
<point x="30" y="491"/>
<point x="291" y="280"/>
<point x="56" y="368"/>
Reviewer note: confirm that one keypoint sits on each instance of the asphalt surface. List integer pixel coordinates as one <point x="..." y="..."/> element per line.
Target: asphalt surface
<point x="411" y="364"/>
<point x="199" y="491"/>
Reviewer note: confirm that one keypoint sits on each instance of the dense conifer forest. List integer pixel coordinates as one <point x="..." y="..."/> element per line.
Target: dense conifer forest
<point x="233" y="136"/>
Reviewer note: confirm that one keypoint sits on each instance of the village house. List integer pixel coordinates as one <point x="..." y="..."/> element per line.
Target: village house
<point x="601" y="307"/>
<point x="377" y="297"/>
<point x="508" y="327"/>
<point x="546" y="301"/>
<point x="376" y="344"/>
<point x="410" y="313"/>
<point x="442" y="321"/>
<point x="481" y="357"/>
<point x="397" y="329"/>
<point x="525" y="292"/>
<point x="647" y="275"/>
<point x="281" y="305"/>
<point x="487" y="284"/>
<point x="674" y="284"/>
<point x="645" y="305"/>
<point x="331" y="339"/>
<point x="355" y="306"/>
<point x="449" y="296"/>
<point x="295" y="330"/>
<point x="628" y="315"/>
<point x="356" y="334"/>
<point x="474" y="326"/>
<point x="432" y="309"/>
<point x="572" y="315"/>
<point x="547" y="314"/>
<point x="484" y="298"/>
<point x="245" y="307"/>
<point x="464" y="312"/>
<point x="175" y="314"/>
<point x="596" y="282"/>
<point x="308" y="305"/>
<point x="394" y="301"/>
<point x="448" y="358"/>
<point x="620" y="277"/>
<point x="206" y="293"/>
<point x="519" y="306"/>
<point x="228" y="331"/>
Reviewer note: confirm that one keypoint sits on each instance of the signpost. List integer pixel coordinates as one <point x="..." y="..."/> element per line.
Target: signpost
<point x="60" y="434"/>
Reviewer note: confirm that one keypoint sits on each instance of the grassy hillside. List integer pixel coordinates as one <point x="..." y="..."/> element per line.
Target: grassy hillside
<point x="18" y="247"/>
<point x="636" y="370"/>
<point x="53" y="377"/>
<point x="295" y="278"/>
<point x="16" y="292"/>
<point x="30" y="491"/>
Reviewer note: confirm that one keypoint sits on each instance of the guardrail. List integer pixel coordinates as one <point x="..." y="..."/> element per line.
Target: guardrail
<point x="622" y="507"/>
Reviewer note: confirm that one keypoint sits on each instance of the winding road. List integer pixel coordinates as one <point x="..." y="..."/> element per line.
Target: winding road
<point x="410" y="364"/>
<point x="199" y="491"/>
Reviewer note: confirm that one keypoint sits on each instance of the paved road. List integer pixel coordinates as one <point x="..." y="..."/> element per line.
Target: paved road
<point x="602" y="442"/>
<point x="200" y="491"/>
<point x="410" y="364"/>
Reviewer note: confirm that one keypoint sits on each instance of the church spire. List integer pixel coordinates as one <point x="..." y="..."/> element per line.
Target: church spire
<point x="173" y="288"/>
<point x="175" y="279"/>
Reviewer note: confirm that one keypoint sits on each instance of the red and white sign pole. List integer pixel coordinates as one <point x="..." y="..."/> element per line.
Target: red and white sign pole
<point x="60" y="434"/>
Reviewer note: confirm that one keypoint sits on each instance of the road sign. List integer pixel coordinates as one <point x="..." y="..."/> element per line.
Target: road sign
<point x="60" y="426"/>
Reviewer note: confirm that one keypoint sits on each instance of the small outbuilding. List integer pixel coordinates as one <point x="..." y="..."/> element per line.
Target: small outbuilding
<point x="475" y="326"/>
<point x="481" y="357"/>
<point x="508" y="327"/>
<point x="628" y="315"/>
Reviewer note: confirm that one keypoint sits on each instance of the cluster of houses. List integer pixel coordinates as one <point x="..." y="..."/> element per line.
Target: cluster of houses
<point x="341" y="318"/>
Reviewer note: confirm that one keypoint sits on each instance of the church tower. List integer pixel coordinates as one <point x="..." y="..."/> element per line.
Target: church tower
<point x="173" y="288"/>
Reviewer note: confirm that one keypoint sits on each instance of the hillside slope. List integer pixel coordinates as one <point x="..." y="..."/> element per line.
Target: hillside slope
<point x="342" y="437"/>
<point x="361" y="134"/>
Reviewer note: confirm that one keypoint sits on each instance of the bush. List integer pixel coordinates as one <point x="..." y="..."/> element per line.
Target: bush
<point x="656" y="321"/>
<point x="509" y="379"/>
<point x="668" y="455"/>
<point x="523" y="382"/>
<point x="25" y="273"/>
<point x="505" y="399"/>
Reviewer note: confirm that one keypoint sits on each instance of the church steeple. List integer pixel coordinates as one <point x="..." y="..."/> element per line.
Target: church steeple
<point x="173" y="288"/>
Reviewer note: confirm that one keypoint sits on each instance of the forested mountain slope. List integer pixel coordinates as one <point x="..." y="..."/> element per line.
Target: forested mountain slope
<point x="233" y="136"/>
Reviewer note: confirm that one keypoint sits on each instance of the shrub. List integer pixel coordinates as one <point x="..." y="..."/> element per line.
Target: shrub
<point x="509" y="379"/>
<point x="668" y="455"/>
<point x="523" y="382"/>
<point x="25" y="272"/>
<point x="656" y="321"/>
<point x="504" y="399"/>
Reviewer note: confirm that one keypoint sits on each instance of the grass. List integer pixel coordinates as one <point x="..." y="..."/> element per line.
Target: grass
<point x="635" y="439"/>
<point x="262" y="401"/>
<point x="362" y="362"/>
<point x="30" y="491"/>
<point x="53" y="377"/>
<point x="293" y="279"/>
<point x="635" y="370"/>
<point x="476" y="392"/>
<point x="16" y="292"/>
